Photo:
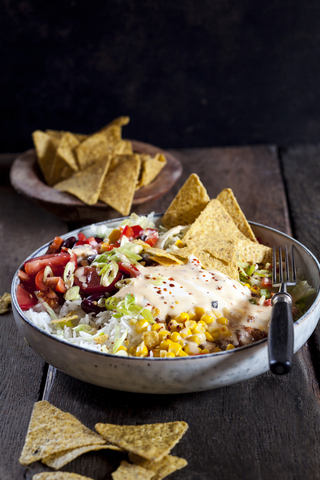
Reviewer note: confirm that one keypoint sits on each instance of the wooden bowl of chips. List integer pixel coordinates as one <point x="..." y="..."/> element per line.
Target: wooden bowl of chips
<point x="27" y="179"/>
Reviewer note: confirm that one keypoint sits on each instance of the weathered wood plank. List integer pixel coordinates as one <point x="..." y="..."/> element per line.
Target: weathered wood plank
<point x="23" y="228"/>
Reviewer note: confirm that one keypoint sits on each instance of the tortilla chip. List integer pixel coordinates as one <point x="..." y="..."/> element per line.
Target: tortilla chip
<point x="124" y="147"/>
<point x="162" y="254"/>
<point x="5" y="302"/>
<point x="59" y="460"/>
<point x="214" y="221"/>
<point x="65" y="162"/>
<point x="220" y="247"/>
<point x="119" y="185"/>
<point x="93" y="149"/>
<point x="168" y="464"/>
<point x="59" y="134"/>
<point x="253" y="252"/>
<point x="189" y="202"/>
<point x="119" y="121"/>
<point x="127" y="471"/>
<point x="51" y="431"/>
<point x="209" y="261"/>
<point x="46" y="147"/>
<point x="59" y="476"/>
<point x="151" y="441"/>
<point x="86" y="184"/>
<point x="150" y="168"/>
<point x="229" y="201"/>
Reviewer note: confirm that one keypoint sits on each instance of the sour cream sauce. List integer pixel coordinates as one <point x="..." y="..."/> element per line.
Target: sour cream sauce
<point x="187" y="286"/>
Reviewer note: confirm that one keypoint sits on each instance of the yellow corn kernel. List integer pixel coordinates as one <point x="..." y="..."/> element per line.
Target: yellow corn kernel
<point x="230" y="347"/>
<point x="182" y="342"/>
<point x="163" y="334"/>
<point x="223" y="320"/>
<point x="170" y="354"/>
<point x="133" y="351"/>
<point x="191" y="351"/>
<point x="199" y="312"/>
<point x="175" y="336"/>
<point x="209" y="337"/>
<point x="255" y="289"/>
<point x="142" y="350"/>
<point x="182" y="354"/>
<point x="174" y="348"/>
<point x="225" y="331"/>
<point x="163" y="353"/>
<point x="217" y="313"/>
<point x="207" y="319"/>
<point x="156" y="353"/>
<point x="217" y="349"/>
<point x="179" y="243"/>
<point x="122" y="347"/>
<point x="156" y="327"/>
<point x="205" y="350"/>
<point x="133" y="321"/>
<point x="195" y="338"/>
<point x="114" y="235"/>
<point x="192" y="315"/>
<point x="247" y="285"/>
<point x="174" y="326"/>
<point x="198" y="329"/>
<point x="183" y="317"/>
<point x="141" y="326"/>
<point x="185" y="332"/>
<point x="164" y="345"/>
<point x="190" y="324"/>
<point x="225" y="311"/>
<point x="203" y="324"/>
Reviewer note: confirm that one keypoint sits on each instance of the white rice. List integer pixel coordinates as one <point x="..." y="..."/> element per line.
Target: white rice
<point x="104" y="322"/>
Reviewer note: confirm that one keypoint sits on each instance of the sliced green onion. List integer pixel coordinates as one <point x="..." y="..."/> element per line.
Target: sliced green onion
<point x="265" y="292"/>
<point x="68" y="271"/>
<point x="47" y="273"/>
<point x="72" y="293"/>
<point x="108" y="273"/>
<point x="119" y="341"/>
<point x="83" y="328"/>
<point x="250" y="269"/>
<point x="147" y="315"/>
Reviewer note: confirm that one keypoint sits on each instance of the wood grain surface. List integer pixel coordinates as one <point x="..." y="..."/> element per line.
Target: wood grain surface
<point x="261" y="429"/>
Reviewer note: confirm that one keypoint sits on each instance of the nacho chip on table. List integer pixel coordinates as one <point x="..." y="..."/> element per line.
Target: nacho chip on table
<point x="65" y="162"/>
<point x="86" y="184"/>
<point x="60" y="459"/>
<point x="128" y="471"/>
<point x="150" y="168"/>
<point x="46" y="147"/>
<point x="59" y="476"/>
<point x="150" y="441"/>
<point x="51" y="431"/>
<point x="94" y="148"/>
<point x="230" y="203"/>
<point x="5" y="302"/>
<point x="187" y="205"/>
<point x="120" y="182"/>
<point x="167" y="465"/>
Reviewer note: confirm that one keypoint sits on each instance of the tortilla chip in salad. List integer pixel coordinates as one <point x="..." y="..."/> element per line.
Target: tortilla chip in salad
<point x="51" y="431"/>
<point x="230" y="203"/>
<point x="187" y="205"/>
<point x="86" y="184"/>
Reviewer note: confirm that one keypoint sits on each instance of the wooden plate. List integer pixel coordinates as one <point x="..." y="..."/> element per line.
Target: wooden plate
<point x="27" y="179"/>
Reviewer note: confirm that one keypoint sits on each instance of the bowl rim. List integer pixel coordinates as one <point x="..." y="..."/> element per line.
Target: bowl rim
<point x="110" y="356"/>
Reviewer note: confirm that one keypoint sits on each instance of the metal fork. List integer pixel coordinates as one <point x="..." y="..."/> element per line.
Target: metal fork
<point x="280" y="338"/>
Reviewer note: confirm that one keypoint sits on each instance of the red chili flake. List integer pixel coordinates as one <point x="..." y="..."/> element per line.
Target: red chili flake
<point x="172" y="279"/>
<point x="171" y="284"/>
<point x="219" y="288"/>
<point x="164" y="289"/>
<point x="165" y="303"/>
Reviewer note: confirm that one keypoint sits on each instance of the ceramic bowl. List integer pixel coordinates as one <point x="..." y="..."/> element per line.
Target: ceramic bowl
<point x="165" y="375"/>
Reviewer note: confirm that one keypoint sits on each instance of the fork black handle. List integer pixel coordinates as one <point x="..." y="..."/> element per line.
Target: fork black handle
<point x="280" y="339"/>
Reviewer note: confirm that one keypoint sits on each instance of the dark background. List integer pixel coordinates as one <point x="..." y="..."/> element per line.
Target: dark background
<point x="189" y="73"/>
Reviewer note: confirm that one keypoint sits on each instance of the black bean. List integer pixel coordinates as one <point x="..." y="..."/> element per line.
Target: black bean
<point x="69" y="242"/>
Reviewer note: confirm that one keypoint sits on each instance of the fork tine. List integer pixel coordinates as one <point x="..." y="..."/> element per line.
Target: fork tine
<point x="280" y="266"/>
<point x="294" y="271"/>
<point x="286" y="260"/>
<point x="274" y="266"/>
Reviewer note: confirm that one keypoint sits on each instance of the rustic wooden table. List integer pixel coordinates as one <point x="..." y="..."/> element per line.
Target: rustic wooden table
<point x="264" y="428"/>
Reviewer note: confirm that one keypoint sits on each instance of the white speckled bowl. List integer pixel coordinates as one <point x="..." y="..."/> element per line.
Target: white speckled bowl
<point x="165" y="375"/>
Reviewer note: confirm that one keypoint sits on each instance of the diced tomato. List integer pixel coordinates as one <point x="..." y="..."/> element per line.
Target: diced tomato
<point x="34" y="265"/>
<point x="137" y="231"/>
<point x="132" y="232"/>
<point x="150" y="236"/>
<point x="89" y="281"/>
<point x="74" y="259"/>
<point x="50" y="297"/>
<point x="40" y="285"/>
<point x="60" y="287"/>
<point x="266" y="282"/>
<point x="267" y="302"/>
<point x="25" y="299"/>
<point x="129" y="269"/>
<point x="55" y="246"/>
<point x="55" y="281"/>
<point x="27" y="281"/>
<point x="127" y="232"/>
